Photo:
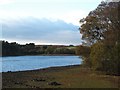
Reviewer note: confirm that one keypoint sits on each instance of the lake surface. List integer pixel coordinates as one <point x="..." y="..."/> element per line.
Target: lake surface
<point x="22" y="63"/>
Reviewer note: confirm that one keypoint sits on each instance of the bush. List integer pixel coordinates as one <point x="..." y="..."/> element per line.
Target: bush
<point x="105" y="58"/>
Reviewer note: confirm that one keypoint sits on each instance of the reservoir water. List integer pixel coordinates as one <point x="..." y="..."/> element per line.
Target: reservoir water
<point x="22" y="63"/>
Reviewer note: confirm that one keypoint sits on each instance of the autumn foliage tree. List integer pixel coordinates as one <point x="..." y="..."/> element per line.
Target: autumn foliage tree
<point x="84" y="51"/>
<point x="101" y="30"/>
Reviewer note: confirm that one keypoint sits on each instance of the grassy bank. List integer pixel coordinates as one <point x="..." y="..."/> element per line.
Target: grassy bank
<point x="59" y="77"/>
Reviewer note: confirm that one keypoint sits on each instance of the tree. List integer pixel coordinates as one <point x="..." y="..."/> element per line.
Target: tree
<point x="99" y="22"/>
<point x="64" y="50"/>
<point x="84" y="52"/>
<point x="101" y="30"/>
<point x="50" y="50"/>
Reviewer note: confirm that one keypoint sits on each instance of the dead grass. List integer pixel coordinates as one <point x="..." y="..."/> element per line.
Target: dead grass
<point x="68" y="77"/>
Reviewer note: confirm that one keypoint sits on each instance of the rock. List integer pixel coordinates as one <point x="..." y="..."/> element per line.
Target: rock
<point x="39" y="80"/>
<point x="18" y="83"/>
<point x="54" y="84"/>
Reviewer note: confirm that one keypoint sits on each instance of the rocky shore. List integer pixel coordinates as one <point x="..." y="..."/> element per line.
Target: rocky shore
<point x="74" y="76"/>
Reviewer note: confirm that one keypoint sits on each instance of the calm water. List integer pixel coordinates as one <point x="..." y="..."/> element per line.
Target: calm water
<point x="21" y="63"/>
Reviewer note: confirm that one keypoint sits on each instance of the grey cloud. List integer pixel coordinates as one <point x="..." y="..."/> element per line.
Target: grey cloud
<point x="41" y="29"/>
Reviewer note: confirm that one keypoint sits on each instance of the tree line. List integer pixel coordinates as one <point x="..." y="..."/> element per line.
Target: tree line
<point x="15" y="49"/>
<point x="101" y="35"/>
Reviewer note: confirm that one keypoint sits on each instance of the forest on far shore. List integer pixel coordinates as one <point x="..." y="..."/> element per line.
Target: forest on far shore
<point x="15" y="49"/>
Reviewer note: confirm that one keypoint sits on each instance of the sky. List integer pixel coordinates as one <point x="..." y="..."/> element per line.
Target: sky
<point x="43" y="21"/>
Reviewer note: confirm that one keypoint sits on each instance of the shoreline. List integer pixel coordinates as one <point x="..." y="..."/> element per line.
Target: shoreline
<point x="72" y="76"/>
<point x="47" y="68"/>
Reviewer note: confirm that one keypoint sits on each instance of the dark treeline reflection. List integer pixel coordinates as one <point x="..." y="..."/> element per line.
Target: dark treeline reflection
<point x="15" y="49"/>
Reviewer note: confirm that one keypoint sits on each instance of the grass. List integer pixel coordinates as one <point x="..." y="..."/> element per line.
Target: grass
<point x="68" y="77"/>
<point x="73" y="47"/>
